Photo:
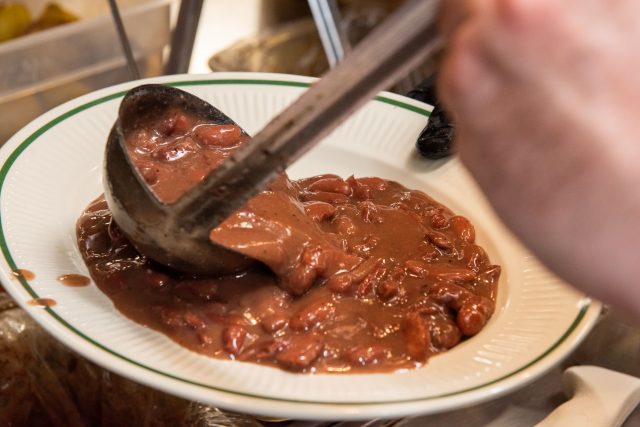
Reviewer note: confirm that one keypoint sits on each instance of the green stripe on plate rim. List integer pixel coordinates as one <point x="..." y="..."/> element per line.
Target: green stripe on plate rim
<point x="12" y="265"/>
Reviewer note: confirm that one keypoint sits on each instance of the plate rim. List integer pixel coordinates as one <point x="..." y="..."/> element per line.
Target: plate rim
<point x="15" y="146"/>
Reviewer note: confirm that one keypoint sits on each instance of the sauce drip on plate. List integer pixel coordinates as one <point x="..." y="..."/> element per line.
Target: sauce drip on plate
<point x="42" y="302"/>
<point x="74" y="280"/>
<point x="24" y="273"/>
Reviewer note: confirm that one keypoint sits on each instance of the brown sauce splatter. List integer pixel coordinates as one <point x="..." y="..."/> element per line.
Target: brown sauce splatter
<point x="74" y="280"/>
<point x="24" y="273"/>
<point x="42" y="302"/>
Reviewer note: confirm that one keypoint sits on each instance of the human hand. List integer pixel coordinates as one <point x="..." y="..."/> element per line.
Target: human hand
<point x="545" y="98"/>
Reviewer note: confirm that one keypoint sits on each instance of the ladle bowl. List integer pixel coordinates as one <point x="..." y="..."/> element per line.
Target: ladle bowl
<point x="153" y="227"/>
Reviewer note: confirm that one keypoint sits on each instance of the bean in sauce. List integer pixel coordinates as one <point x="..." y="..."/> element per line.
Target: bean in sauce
<point x="354" y="275"/>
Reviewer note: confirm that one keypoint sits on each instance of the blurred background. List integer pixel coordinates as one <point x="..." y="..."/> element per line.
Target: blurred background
<point x="53" y="51"/>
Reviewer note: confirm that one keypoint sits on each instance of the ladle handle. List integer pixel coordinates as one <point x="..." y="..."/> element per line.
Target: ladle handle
<point x="401" y="43"/>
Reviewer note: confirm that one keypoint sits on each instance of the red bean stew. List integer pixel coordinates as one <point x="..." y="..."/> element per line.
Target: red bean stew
<point x="355" y="275"/>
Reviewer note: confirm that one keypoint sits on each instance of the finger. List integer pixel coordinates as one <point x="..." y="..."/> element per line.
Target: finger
<point x="475" y="157"/>
<point x="468" y="79"/>
<point x="452" y="14"/>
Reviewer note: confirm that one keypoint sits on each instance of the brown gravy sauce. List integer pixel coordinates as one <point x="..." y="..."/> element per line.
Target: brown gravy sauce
<point x="355" y="275"/>
<point x="74" y="280"/>
<point x="42" y="302"/>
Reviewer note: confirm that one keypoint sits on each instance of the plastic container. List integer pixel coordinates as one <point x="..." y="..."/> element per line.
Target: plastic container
<point x="41" y="70"/>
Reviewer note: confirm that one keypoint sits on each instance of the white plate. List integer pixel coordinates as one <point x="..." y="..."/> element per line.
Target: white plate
<point x="52" y="169"/>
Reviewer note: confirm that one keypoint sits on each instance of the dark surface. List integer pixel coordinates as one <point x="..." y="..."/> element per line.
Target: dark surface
<point x="425" y="91"/>
<point x="436" y="139"/>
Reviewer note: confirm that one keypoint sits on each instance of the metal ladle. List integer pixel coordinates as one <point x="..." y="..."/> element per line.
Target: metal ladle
<point x="177" y="234"/>
<point x="151" y="225"/>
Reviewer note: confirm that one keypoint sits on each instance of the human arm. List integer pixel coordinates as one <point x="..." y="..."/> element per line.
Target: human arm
<point x="546" y="103"/>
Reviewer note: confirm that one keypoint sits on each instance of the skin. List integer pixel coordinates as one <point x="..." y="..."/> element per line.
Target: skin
<point x="545" y="95"/>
